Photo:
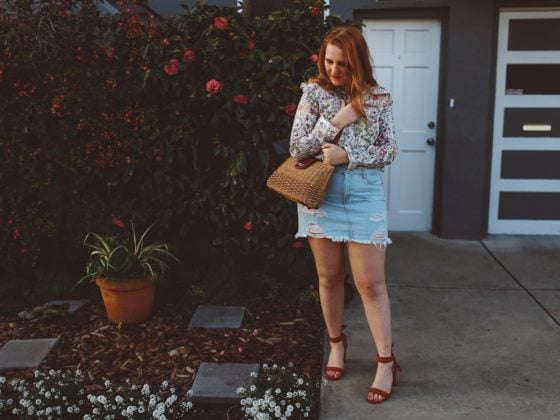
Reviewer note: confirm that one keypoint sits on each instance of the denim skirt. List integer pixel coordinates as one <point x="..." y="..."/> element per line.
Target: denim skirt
<point x="354" y="209"/>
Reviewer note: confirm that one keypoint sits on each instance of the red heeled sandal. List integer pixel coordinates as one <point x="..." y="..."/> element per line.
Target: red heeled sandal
<point x="331" y="371"/>
<point x="379" y="392"/>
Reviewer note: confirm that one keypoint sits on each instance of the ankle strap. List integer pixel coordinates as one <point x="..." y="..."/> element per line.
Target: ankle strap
<point x="339" y="338"/>
<point x="381" y="359"/>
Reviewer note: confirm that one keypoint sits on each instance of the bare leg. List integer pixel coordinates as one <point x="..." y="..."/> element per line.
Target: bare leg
<point x="368" y="269"/>
<point x="329" y="261"/>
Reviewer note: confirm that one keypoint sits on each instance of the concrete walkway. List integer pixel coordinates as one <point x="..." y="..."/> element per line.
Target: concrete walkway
<point x="476" y="328"/>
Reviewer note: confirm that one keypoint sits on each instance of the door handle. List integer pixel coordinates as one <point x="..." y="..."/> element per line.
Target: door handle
<point x="431" y="141"/>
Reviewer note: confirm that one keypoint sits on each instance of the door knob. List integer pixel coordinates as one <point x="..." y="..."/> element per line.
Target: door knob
<point x="431" y="124"/>
<point x="431" y="141"/>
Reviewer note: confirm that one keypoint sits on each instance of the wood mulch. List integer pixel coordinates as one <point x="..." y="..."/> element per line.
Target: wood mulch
<point x="275" y="330"/>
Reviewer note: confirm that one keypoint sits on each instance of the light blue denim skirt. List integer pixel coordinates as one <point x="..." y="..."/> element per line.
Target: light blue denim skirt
<point x="354" y="209"/>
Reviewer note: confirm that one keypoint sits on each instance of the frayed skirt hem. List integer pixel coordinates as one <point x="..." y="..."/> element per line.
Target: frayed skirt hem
<point x="380" y="244"/>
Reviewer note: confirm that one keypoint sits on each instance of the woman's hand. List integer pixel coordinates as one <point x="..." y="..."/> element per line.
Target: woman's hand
<point x="334" y="154"/>
<point x="345" y="115"/>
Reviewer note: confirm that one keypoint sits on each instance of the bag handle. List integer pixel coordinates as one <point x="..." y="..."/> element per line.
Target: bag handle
<point x="308" y="161"/>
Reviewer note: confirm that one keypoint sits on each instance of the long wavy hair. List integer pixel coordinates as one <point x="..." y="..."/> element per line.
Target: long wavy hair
<point x="358" y="61"/>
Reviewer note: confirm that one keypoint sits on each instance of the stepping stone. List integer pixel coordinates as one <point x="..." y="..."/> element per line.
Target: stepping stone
<point x="208" y="316"/>
<point x="74" y="304"/>
<point x="217" y="383"/>
<point x="21" y="354"/>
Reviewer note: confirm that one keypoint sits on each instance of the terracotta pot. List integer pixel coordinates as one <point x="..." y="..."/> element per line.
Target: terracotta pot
<point x="128" y="301"/>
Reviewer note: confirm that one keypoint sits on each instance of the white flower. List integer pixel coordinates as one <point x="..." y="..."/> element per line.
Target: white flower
<point x="289" y="395"/>
<point x="130" y="409"/>
<point x="306" y="414"/>
<point x="239" y="390"/>
<point x="145" y="390"/>
<point x="298" y="405"/>
<point x="140" y="409"/>
<point x="253" y="387"/>
<point x="253" y="375"/>
<point x="164" y="384"/>
<point x="119" y="399"/>
<point x="300" y="381"/>
<point x="38" y="401"/>
<point x="102" y="399"/>
<point x="277" y="390"/>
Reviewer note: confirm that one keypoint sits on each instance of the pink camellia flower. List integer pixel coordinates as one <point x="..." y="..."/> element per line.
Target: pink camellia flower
<point x="251" y="44"/>
<point x="255" y="332"/>
<point x="241" y="99"/>
<point x="221" y="23"/>
<point x="240" y="349"/>
<point x="314" y="58"/>
<point x="315" y="11"/>
<point x="248" y="226"/>
<point x="290" y="109"/>
<point x="172" y="67"/>
<point x="117" y="221"/>
<point x="213" y="86"/>
<point x="297" y="244"/>
<point x="189" y="56"/>
<point x="110" y="53"/>
<point x="165" y="41"/>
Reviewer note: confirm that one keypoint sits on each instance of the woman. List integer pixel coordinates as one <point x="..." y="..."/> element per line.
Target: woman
<point x="345" y="99"/>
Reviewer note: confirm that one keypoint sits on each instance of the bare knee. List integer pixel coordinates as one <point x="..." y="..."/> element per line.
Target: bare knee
<point x="331" y="280"/>
<point x="370" y="287"/>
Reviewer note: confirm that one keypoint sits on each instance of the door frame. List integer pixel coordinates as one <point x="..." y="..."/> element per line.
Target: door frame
<point x="441" y="15"/>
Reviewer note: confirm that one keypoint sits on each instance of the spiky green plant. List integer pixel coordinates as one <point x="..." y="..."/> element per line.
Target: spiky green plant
<point x="118" y="258"/>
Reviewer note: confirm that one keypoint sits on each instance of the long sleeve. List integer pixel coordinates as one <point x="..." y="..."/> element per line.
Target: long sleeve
<point x="383" y="149"/>
<point x="311" y="129"/>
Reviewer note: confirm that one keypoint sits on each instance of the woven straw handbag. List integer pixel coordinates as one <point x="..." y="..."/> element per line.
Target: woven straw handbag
<point x="303" y="181"/>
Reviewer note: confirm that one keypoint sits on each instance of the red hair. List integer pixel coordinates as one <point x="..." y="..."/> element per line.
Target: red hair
<point x="358" y="60"/>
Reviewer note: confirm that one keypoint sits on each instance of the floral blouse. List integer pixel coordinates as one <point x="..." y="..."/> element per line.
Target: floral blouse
<point x="369" y="143"/>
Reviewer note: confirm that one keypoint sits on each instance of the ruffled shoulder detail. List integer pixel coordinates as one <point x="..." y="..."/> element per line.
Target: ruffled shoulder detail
<point x="307" y="87"/>
<point x="381" y="96"/>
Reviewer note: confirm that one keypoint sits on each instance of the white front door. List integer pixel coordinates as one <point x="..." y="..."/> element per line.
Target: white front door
<point x="405" y="55"/>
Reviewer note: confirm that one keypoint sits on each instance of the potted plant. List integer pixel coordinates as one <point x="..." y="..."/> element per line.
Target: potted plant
<point x="126" y="269"/>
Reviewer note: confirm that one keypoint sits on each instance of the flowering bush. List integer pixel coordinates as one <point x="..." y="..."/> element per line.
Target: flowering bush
<point x="56" y="395"/>
<point x="278" y="393"/>
<point x="132" y="402"/>
<point x="53" y="395"/>
<point x="179" y="122"/>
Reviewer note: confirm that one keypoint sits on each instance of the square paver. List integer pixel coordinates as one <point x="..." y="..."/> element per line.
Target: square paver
<point x="22" y="354"/>
<point x="208" y="316"/>
<point x="74" y="305"/>
<point x="217" y="383"/>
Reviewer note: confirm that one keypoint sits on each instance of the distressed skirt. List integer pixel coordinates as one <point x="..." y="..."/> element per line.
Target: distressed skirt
<point x="354" y="209"/>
